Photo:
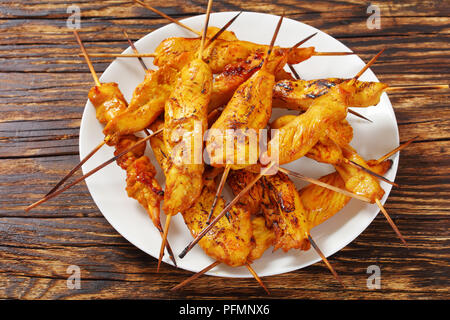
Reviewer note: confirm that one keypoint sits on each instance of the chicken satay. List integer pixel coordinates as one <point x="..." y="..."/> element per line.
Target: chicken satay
<point x="356" y="180"/>
<point x="185" y="121"/>
<point x="277" y="199"/>
<point x="327" y="149"/>
<point x="289" y="222"/>
<point x="141" y="182"/>
<point x="127" y="159"/>
<point x="146" y="104"/>
<point x="257" y="199"/>
<point x="186" y="112"/>
<point x="300" y="94"/>
<point x="248" y="111"/>
<point x="298" y="137"/>
<point x="230" y="240"/>
<point x="321" y="203"/>
<point x="108" y="101"/>
<point x="263" y="238"/>
<point x="150" y="96"/>
<point x="221" y="53"/>
<point x="143" y="186"/>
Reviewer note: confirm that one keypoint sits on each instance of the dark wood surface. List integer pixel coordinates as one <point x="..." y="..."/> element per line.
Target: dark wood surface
<point x="43" y="89"/>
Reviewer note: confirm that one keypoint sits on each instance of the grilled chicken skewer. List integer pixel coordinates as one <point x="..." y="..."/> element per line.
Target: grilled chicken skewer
<point x="150" y="96"/>
<point x="276" y="197"/>
<point x="249" y="109"/>
<point x="230" y="242"/>
<point x="300" y="135"/>
<point x="186" y="111"/>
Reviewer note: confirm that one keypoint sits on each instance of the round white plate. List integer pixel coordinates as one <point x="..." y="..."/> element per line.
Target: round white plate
<point x="372" y="140"/>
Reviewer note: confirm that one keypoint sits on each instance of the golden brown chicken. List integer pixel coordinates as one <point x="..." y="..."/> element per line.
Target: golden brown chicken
<point x="276" y="197"/>
<point x="300" y="94"/>
<point x="356" y="180"/>
<point x="230" y="240"/>
<point x="146" y="105"/>
<point x="289" y="222"/>
<point x="322" y="203"/>
<point x="176" y="51"/>
<point x="186" y="119"/>
<point x="247" y="112"/>
<point x="295" y="139"/>
<point x="108" y="101"/>
<point x="143" y="186"/>
<point x="327" y="149"/>
<point x="263" y="237"/>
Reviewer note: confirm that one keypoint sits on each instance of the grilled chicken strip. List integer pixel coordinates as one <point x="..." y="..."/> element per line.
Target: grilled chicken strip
<point x="300" y="94"/>
<point x="186" y="119"/>
<point x="108" y="101"/>
<point x="176" y="51"/>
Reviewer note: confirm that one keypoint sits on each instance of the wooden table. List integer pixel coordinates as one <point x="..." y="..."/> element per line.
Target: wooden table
<point x="43" y="89"/>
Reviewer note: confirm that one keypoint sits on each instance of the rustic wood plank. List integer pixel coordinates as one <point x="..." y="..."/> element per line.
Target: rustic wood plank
<point x="48" y="258"/>
<point x="127" y="9"/>
<point x="43" y="88"/>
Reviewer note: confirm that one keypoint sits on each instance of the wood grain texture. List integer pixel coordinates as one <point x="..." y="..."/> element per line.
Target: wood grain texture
<point x="43" y="89"/>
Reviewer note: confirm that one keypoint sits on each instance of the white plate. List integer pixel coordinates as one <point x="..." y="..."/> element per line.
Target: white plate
<point x="372" y="140"/>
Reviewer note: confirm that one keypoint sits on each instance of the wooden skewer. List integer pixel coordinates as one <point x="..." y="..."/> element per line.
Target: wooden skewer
<point x="135" y="50"/>
<point x="374" y="174"/>
<point x="121" y="55"/>
<point x="298" y="44"/>
<point x="325" y="185"/>
<point x="195" y="276"/>
<point x="423" y="87"/>
<point x="325" y="260"/>
<point x="97" y="83"/>
<point x="377" y="201"/>
<point x="333" y="53"/>
<point x="367" y="66"/>
<point x="255" y="275"/>
<point x="359" y="115"/>
<point x="219" y="192"/>
<point x="205" y="28"/>
<point x="167" y="17"/>
<point x="54" y="194"/>
<point x="164" y="240"/>
<point x="86" y="57"/>
<point x="76" y="168"/>
<point x="274" y="37"/>
<point x="294" y="72"/>
<point x="388" y="218"/>
<point x="225" y="27"/>
<point x="390" y="153"/>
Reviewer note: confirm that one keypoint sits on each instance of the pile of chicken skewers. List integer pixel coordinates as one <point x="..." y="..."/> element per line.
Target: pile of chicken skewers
<point x="225" y="83"/>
